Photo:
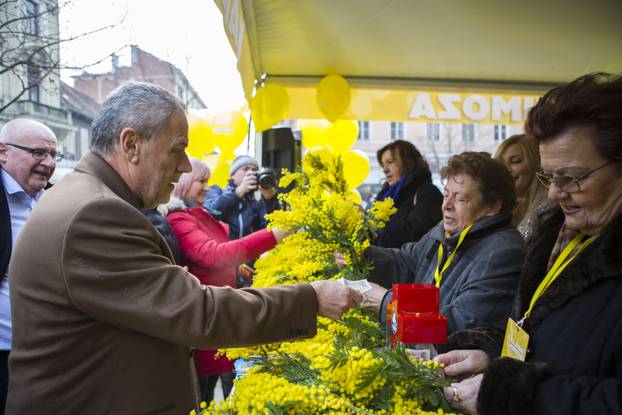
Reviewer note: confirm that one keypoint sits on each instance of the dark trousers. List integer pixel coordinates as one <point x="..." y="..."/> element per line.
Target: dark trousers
<point x="208" y="384"/>
<point x="4" y="378"/>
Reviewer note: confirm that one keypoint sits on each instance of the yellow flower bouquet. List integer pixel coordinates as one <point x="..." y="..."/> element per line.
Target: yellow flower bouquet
<point x="345" y="368"/>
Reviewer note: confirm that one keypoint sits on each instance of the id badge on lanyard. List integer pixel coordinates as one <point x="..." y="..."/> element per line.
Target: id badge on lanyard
<point x="516" y="339"/>
<point x="515" y="342"/>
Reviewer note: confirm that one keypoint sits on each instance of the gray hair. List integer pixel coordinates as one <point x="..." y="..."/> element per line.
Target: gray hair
<point x="142" y="106"/>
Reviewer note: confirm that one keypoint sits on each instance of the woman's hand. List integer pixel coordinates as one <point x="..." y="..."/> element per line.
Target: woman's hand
<point x="463" y="395"/>
<point x="279" y="234"/>
<point x="373" y="298"/>
<point x="463" y="362"/>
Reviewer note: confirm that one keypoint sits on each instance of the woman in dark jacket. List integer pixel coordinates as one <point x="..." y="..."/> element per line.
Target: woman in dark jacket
<point x="481" y="254"/>
<point x="408" y="182"/>
<point x="568" y="302"/>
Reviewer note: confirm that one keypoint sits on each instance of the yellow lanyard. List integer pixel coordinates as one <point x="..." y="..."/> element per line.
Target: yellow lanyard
<point x="438" y="273"/>
<point x="557" y="269"/>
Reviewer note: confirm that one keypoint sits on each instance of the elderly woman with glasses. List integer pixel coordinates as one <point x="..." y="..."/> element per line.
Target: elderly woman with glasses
<point x="474" y="255"/>
<point x="562" y="349"/>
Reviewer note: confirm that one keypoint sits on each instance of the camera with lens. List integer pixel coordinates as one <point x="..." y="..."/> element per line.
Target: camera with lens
<point x="265" y="178"/>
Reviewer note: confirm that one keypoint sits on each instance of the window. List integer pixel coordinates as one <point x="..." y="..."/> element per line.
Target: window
<point x="397" y="130"/>
<point x="33" y="83"/>
<point x="433" y="132"/>
<point x="32" y="24"/>
<point x="500" y="132"/>
<point x="363" y="130"/>
<point x="468" y="133"/>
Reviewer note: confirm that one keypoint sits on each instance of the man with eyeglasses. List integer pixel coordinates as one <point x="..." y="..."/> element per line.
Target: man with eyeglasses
<point x="27" y="160"/>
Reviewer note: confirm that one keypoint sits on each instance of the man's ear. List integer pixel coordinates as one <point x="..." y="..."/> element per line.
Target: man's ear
<point x="130" y="144"/>
<point x="3" y="152"/>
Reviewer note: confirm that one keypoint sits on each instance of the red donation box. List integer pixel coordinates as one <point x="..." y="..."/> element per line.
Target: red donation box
<point x="413" y="316"/>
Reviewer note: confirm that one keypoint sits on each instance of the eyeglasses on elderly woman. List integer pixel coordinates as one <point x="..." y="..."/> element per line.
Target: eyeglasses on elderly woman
<point x="567" y="183"/>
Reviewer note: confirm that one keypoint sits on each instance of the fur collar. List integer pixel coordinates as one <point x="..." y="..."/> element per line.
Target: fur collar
<point x="176" y="204"/>
<point x="173" y="205"/>
<point x="601" y="260"/>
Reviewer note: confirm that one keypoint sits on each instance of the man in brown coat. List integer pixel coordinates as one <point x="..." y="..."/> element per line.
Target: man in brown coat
<point x="104" y="321"/>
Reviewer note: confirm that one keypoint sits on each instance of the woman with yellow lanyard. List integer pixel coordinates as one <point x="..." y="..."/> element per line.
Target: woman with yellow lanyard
<point x="562" y="350"/>
<point x="474" y="254"/>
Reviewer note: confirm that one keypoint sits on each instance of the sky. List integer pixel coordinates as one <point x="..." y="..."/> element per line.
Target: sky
<point x="187" y="33"/>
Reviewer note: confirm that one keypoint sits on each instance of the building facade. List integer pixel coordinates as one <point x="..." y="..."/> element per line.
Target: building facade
<point x="30" y="84"/>
<point x="144" y="67"/>
<point x="436" y="141"/>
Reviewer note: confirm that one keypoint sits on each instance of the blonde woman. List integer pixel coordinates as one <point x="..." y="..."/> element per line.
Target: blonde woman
<point x="521" y="156"/>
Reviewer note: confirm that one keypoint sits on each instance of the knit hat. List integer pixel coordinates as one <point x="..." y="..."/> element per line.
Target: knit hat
<point x="242" y="161"/>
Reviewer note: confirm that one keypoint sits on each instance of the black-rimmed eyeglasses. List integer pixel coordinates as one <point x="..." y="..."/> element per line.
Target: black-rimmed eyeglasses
<point x="566" y="183"/>
<point x="39" y="153"/>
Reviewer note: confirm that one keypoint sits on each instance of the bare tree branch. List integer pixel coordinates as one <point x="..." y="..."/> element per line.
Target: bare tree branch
<point x="25" y="48"/>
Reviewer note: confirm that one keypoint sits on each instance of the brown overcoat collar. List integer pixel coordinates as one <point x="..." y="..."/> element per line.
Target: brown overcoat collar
<point x="93" y="164"/>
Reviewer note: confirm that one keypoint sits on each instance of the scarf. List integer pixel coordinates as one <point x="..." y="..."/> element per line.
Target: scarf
<point x="392" y="191"/>
<point x="563" y="239"/>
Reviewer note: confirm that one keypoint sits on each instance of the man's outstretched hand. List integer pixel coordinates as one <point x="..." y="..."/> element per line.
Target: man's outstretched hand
<point x="334" y="299"/>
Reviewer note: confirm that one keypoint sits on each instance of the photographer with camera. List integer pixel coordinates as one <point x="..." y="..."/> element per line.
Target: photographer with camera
<point x="237" y="204"/>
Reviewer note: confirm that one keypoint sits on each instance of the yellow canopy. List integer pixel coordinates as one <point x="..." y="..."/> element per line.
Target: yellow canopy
<point x="490" y="53"/>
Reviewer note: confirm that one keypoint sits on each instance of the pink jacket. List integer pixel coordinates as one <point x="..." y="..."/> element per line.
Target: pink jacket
<point x="213" y="259"/>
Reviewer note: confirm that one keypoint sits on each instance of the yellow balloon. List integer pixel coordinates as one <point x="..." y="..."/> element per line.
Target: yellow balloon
<point x="200" y="136"/>
<point x="220" y="173"/>
<point x="355" y="197"/>
<point x="341" y="135"/>
<point x="210" y="161"/>
<point x="230" y="129"/>
<point x="227" y="155"/>
<point x="333" y="96"/>
<point x="355" y="168"/>
<point x="313" y="132"/>
<point x="269" y="106"/>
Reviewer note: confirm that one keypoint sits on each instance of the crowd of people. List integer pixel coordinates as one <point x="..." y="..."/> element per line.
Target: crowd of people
<point x="131" y="271"/>
<point x="103" y="320"/>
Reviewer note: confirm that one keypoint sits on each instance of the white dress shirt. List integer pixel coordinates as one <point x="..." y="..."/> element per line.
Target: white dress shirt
<point x="20" y="205"/>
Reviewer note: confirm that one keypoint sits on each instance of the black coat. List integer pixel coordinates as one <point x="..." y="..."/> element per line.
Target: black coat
<point x="412" y="220"/>
<point x="574" y="360"/>
<point x="6" y="231"/>
<point x="6" y="241"/>
<point x="161" y="224"/>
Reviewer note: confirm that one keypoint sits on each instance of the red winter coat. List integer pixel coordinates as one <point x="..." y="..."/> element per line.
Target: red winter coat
<point x="213" y="259"/>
